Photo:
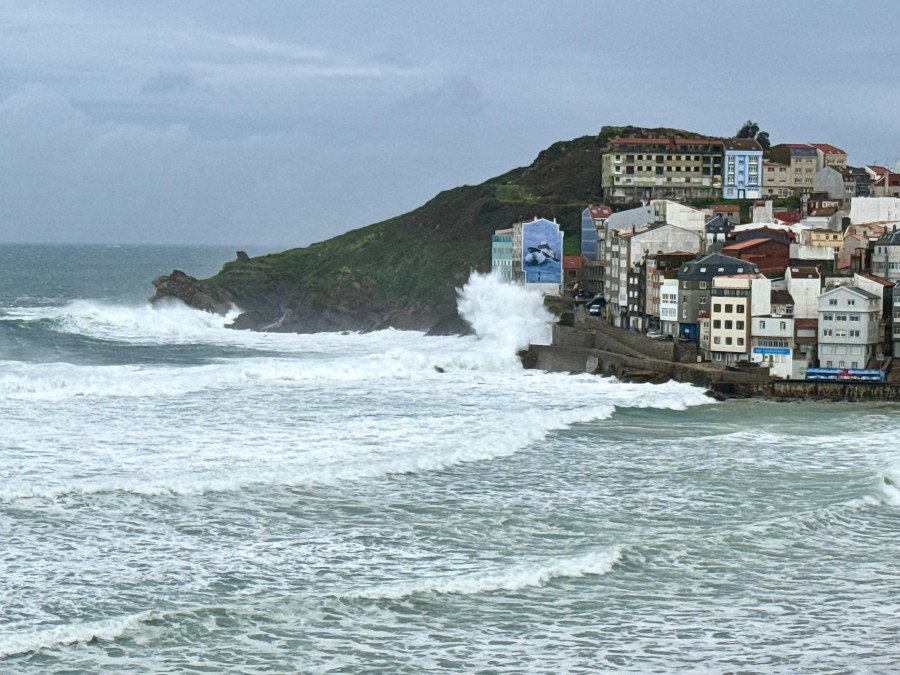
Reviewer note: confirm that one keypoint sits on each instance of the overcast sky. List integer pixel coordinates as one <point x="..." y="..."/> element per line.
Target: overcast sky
<point x="282" y="122"/>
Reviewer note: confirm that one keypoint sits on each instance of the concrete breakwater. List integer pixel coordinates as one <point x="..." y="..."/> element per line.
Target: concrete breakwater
<point x="583" y="349"/>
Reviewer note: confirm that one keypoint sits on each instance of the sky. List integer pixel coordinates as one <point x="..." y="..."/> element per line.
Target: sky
<point x="279" y="123"/>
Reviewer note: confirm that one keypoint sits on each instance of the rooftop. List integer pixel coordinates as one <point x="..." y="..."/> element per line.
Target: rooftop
<point x="828" y="149"/>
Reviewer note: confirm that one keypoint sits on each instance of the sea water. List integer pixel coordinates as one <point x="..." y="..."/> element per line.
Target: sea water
<point x="179" y="497"/>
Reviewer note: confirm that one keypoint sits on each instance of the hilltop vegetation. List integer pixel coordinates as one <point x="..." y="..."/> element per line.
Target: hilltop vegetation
<point x="404" y="272"/>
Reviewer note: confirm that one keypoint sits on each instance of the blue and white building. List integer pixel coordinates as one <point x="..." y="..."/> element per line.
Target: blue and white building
<point x="593" y="231"/>
<point x="742" y="172"/>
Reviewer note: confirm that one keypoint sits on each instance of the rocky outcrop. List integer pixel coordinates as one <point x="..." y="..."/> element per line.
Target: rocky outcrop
<point x="191" y="291"/>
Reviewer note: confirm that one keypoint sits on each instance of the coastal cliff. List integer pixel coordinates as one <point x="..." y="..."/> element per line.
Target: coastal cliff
<point x="404" y="272"/>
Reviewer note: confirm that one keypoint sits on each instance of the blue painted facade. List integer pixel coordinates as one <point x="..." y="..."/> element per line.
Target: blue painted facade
<point x="742" y="170"/>
<point x="502" y="254"/>
<point x="593" y="231"/>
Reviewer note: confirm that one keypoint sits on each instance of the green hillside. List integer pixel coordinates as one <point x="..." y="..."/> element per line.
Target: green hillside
<point x="404" y="272"/>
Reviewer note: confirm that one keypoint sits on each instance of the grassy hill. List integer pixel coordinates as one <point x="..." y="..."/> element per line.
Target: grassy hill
<point x="404" y="272"/>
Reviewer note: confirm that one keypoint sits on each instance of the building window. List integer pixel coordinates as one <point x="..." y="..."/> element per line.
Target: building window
<point x="702" y="299"/>
<point x="828" y="317"/>
<point x="840" y="317"/>
<point x="832" y="302"/>
<point x="762" y="324"/>
<point x="739" y="325"/>
<point x="729" y="309"/>
<point x="718" y="308"/>
<point x="702" y="285"/>
<point x="740" y="342"/>
<point x="739" y="309"/>
<point x="728" y="341"/>
<point x="717" y="340"/>
<point x="854" y="317"/>
<point x="727" y="324"/>
<point x="717" y="323"/>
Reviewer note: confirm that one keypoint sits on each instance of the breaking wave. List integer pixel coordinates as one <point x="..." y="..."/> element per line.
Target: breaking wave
<point x="104" y="630"/>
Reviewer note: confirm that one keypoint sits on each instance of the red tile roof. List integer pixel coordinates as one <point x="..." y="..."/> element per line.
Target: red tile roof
<point x="747" y="243"/>
<point x="828" y="149"/>
<point x="788" y="216"/>
<point x="600" y="211"/>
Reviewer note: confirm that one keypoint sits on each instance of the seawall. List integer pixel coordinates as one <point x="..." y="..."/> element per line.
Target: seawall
<point x="578" y="350"/>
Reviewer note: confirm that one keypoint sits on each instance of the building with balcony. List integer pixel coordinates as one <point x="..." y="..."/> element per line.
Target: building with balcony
<point x="848" y="327"/>
<point x="742" y="176"/>
<point x="642" y="169"/>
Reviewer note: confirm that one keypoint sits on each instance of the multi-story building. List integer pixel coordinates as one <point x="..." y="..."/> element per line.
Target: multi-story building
<point x="695" y="282"/>
<point x="625" y="251"/>
<point x="895" y="320"/>
<point x="801" y="159"/>
<point x="502" y="254"/>
<point x="776" y="179"/>
<point x="593" y="231"/>
<point x="772" y="336"/>
<point x="805" y="285"/>
<point x="848" y="327"/>
<point x="668" y="306"/>
<point x="658" y="268"/>
<point x="828" y="155"/>
<point x="734" y="301"/>
<point x="829" y="180"/>
<point x="636" y="169"/>
<point x="886" y="256"/>
<point x="825" y="238"/>
<point x="742" y="176"/>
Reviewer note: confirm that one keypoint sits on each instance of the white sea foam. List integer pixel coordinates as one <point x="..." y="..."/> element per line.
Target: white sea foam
<point x="513" y="578"/>
<point x="58" y="636"/>
<point x="506" y="316"/>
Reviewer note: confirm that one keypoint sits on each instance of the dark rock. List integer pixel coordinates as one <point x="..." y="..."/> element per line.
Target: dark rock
<point x="191" y="291"/>
<point x="450" y="324"/>
<point x="243" y="257"/>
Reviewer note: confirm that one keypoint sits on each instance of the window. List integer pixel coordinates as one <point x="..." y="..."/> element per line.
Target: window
<point x="729" y="309"/>
<point x="718" y="308"/>
<point x="717" y="340"/>
<point x="728" y="341"/>
<point x="854" y="317"/>
<point x="851" y="301"/>
<point x="826" y="332"/>
<point x="717" y="323"/>
<point x="840" y="332"/>
<point x="828" y="317"/>
<point x="762" y="324"/>
<point x="840" y="317"/>
<point x="702" y="285"/>
<point x="740" y="342"/>
<point x="740" y="309"/>
<point x="702" y="299"/>
<point x="739" y="325"/>
<point x="854" y="333"/>
<point x="783" y="325"/>
<point x="727" y="325"/>
<point x="833" y="302"/>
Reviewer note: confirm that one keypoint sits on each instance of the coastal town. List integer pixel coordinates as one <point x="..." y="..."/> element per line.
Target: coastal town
<point x="739" y="255"/>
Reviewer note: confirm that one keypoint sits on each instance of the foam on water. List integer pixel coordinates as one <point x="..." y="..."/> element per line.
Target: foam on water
<point x="513" y="578"/>
<point x="58" y="636"/>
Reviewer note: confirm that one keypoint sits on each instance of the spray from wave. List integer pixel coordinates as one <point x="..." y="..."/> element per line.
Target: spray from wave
<point x="505" y="317"/>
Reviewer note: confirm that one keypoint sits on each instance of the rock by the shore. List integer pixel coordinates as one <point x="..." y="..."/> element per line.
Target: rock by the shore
<point x="191" y="291"/>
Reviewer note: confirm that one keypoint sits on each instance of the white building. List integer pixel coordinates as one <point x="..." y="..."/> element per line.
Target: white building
<point x="874" y="210"/>
<point x="805" y="285"/>
<point x="772" y="343"/>
<point x="668" y="307"/>
<point x="849" y="333"/>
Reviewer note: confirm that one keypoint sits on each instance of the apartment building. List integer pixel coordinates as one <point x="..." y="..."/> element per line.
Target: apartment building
<point x="743" y="170"/>
<point x="802" y="162"/>
<point x="636" y="169"/>
<point x="776" y="179"/>
<point x="849" y="332"/>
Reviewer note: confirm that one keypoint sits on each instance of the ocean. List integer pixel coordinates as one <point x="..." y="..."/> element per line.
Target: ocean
<point x="178" y="497"/>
